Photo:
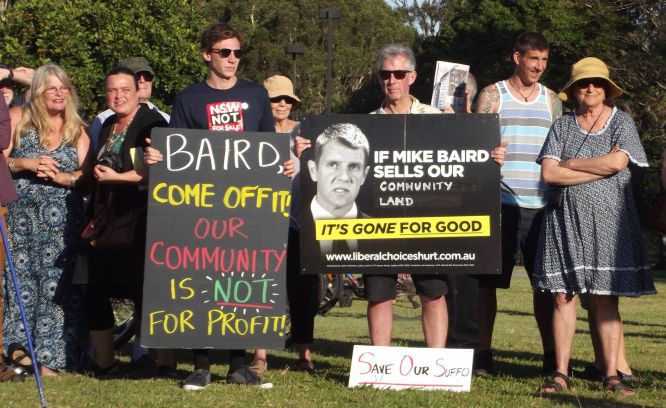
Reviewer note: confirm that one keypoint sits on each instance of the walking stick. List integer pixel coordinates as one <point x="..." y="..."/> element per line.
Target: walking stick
<point x="38" y="377"/>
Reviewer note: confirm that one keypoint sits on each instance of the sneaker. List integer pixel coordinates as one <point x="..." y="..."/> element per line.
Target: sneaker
<point x="196" y="381"/>
<point x="244" y="376"/>
<point x="483" y="363"/>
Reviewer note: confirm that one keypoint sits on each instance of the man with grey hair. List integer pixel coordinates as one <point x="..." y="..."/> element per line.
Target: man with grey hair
<point x="396" y="72"/>
<point x="395" y="66"/>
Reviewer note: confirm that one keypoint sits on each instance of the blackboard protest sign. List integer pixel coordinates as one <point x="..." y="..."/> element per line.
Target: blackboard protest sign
<point x="218" y="218"/>
<point x="400" y="194"/>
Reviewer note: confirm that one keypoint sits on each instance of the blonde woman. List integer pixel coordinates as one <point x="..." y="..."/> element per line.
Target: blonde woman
<point x="49" y="153"/>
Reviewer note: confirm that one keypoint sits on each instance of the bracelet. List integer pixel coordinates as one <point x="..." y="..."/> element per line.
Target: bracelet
<point x="11" y="73"/>
<point x="72" y="179"/>
<point x="10" y="164"/>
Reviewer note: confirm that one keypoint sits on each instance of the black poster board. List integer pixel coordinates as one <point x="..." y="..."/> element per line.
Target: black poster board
<point x="218" y="217"/>
<point x="429" y="202"/>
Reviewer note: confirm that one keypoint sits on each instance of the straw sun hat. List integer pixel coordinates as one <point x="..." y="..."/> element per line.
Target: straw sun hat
<point x="589" y="67"/>
<point x="279" y="85"/>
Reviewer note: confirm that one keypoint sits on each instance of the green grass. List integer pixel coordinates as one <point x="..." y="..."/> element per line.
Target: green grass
<point x="517" y="355"/>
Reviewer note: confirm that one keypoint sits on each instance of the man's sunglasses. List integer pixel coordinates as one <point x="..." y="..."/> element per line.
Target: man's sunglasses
<point x="225" y="52"/>
<point x="147" y="76"/>
<point x="596" y="82"/>
<point x="399" y="74"/>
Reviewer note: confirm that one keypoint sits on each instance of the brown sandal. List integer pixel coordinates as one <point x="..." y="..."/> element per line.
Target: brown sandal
<point x="619" y="387"/>
<point x="557" y="387"/>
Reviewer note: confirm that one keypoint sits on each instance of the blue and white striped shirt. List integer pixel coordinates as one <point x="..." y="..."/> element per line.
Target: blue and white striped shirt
<point x="525" y="126"/>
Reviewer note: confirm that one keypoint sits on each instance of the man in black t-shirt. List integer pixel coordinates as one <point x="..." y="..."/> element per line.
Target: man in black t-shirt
<point x="221" y="102"/>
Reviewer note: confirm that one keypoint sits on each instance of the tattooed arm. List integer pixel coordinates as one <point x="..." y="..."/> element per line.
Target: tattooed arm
<point x="488" y="100"/>
<point x="555" y="105"/>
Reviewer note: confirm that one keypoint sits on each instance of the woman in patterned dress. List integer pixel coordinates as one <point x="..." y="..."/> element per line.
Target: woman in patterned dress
<point x="49" y="153"/>
<point x="302" y="290"/>
<point x="590" y="240"/>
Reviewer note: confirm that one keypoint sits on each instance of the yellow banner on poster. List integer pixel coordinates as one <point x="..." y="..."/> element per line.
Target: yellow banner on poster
<point x="408" y="227"/>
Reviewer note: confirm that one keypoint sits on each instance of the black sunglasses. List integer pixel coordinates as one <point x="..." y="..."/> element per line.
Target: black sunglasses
<point x="225" y="52"/>
<point x="287" y="99"/>
<point x="147" y="76"/>
<point x="596" y="82"/>
<point x="399" y="74"/>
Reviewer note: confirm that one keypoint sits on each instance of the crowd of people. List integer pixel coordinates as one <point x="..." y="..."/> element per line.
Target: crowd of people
<point x="567" y="207"/>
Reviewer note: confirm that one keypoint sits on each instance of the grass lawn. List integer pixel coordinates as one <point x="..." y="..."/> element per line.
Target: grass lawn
<point x="517" y="357"/>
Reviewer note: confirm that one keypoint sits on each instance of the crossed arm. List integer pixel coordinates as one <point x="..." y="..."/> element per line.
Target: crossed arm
<point x="583" y="170"/>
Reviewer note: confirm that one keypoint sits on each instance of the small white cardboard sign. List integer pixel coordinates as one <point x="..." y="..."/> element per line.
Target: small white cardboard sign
<point x="406" y="367"/>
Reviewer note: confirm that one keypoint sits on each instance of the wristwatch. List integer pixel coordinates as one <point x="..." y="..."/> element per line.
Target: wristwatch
<point x="11" y="73"/>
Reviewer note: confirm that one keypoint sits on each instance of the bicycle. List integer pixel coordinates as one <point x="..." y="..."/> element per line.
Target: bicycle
<point x="341" y="288"/>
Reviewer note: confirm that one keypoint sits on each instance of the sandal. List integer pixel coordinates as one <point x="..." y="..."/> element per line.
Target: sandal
<point x="556" y="386"/>
<point x="305" y="366"/>
<point x="9" y="373"/>
<point x="95" y="371"/>
<point x="619" y="387"/>
<point x="258" y="366"/>
<point x="19" y="356"/>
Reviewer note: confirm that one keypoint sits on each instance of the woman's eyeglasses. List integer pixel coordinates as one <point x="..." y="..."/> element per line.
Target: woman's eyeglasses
<point x="53" y="90"/>
<point x="225" y="52"/>
<point x="398" y="74"/>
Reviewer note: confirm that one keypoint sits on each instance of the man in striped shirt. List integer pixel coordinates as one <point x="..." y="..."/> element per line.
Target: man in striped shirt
<point x="527" y="109"/>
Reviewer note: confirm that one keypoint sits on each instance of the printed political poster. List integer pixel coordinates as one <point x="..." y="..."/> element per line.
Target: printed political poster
<point x="400" y="194"/>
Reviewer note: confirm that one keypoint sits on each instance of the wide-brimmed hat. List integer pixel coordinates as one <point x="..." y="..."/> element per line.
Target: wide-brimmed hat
<point x="279" y="85"/>
<point x="590" y="67"/>
<point x="137" y="64"/>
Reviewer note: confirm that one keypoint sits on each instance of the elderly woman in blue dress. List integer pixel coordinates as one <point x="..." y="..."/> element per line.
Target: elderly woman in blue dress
<point x="590" y="240"/>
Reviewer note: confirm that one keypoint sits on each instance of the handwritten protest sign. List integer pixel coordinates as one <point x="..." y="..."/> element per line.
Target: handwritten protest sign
<point x="401" y="193"/>
<point x="218" y="215"/>
<point x="409" y="367"/>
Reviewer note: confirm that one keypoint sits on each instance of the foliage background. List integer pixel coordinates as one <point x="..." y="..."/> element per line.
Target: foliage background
<point x="88" y="37"/>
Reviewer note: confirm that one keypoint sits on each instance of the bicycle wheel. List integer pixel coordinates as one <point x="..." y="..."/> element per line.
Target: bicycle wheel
<point x="406" y="305"/>
<point x="356" y="284"/>
<point x="123" y="328"/>
<point x="330" y="289"/>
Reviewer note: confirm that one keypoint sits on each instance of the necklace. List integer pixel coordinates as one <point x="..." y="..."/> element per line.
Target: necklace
<point x="119" y="127"/>
<point x="527" y="98"/>
<point x="595" y="121"/>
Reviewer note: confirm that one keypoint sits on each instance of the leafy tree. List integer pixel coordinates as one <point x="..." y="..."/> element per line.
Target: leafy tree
<point x="89" y="37"/>
<point x="629" y="35"/>
<point x="270" y="25"/>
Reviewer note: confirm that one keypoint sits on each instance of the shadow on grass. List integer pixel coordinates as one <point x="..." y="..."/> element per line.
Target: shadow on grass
<point x="571" y="398"/>
<point x="580" y="319"/>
